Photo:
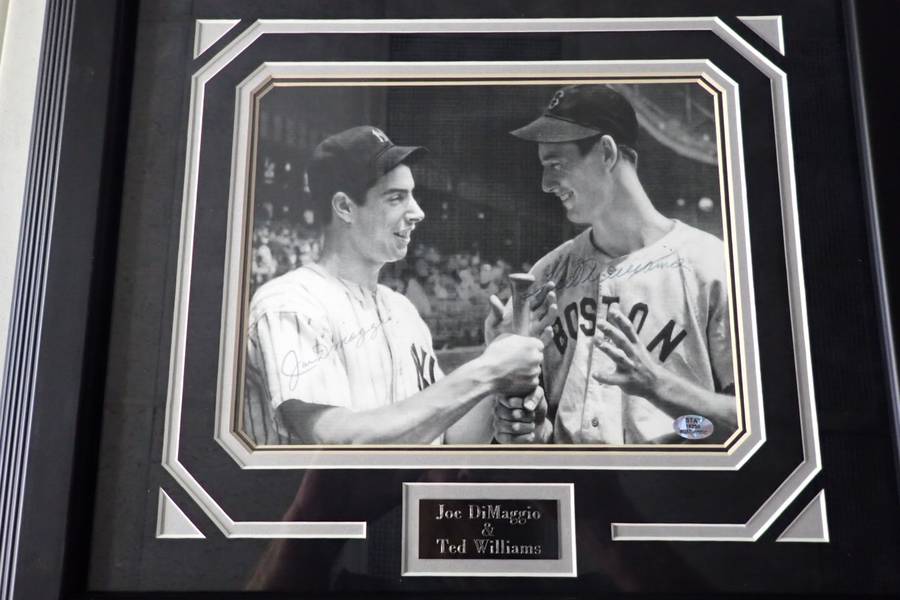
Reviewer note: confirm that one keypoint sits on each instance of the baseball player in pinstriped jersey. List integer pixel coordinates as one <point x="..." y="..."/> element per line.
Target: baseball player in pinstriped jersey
<point x="643" y="333"/>
<point x="335" y="358"/>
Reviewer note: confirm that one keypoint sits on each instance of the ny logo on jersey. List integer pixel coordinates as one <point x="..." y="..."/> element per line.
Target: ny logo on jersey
<point x="423" y="362"/>
<point x="569" y="324"/>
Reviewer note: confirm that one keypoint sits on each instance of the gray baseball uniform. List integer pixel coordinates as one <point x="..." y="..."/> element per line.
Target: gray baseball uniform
<point x="675" y="293"/>
<point x="323" y="340"/>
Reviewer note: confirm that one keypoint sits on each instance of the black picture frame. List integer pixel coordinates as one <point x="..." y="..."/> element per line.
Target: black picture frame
<point x="58" y="339"/>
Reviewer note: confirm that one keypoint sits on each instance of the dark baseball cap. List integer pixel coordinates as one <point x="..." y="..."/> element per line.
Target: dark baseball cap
<point x="576" y="112"/>
<point x="355" y="158"/>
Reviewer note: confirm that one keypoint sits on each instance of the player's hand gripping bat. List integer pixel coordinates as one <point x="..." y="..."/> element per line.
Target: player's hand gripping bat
<point x="524" y="406"/>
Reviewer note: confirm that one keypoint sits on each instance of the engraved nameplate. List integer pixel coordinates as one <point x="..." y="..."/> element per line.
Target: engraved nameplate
<point x="468" y="529"/>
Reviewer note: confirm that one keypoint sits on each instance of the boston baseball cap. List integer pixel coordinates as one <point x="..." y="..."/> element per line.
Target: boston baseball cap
<point x="355" y="158"/>
<point x="576" y="112"/>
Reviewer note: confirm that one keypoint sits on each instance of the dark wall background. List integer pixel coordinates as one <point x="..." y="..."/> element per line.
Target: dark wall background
<point x="878" y="44"/>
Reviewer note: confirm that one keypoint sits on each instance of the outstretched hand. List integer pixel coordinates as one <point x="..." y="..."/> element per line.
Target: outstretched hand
<point x="543" y="313"/>
<point x="637" y="373"/>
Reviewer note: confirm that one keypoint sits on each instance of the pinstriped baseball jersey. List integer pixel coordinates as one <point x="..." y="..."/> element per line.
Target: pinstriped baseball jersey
<point x="323" y="340"/>
<point x="674" y="292"/>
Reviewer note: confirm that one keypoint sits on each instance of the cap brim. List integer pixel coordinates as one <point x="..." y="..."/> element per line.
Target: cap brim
<point x="552" y="130"/>
<point x="396" y="155"/>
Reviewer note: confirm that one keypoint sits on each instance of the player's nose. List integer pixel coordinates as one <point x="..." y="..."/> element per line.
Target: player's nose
<point x="414" y="212"/>
<point x="548" y="181"/>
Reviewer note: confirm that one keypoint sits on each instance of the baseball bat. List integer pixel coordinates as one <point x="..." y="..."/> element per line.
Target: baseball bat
<point x="521" y="283"/>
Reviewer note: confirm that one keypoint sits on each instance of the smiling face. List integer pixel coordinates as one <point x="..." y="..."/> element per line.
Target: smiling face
<point x="384" y="224"/>
<point x="581" y="182"/>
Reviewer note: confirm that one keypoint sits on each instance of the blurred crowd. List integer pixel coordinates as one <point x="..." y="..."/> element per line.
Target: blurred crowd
<point x="450" y="291"/>
<point x="280" y="246"/>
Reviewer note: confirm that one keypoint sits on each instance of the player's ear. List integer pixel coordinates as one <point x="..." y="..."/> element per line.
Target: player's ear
<point x="341" y="205"/>
<point x="609" y="150"/>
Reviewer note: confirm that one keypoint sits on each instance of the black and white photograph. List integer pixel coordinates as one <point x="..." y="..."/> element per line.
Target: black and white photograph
<point x="398" y="226"/>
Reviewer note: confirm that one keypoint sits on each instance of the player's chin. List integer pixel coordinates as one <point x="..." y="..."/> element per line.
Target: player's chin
<point x="573" y="217"/>
<point x="398" y="251"/>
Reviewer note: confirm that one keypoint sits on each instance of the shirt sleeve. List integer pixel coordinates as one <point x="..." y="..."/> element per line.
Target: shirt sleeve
<point x="719" y="338"/>
<point x="295" y="355"/>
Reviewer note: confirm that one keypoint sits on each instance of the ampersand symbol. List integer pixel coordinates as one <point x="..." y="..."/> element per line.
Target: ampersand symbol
<point x="487" y="530"/>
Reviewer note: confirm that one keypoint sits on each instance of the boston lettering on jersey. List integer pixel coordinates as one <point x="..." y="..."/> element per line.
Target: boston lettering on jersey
<point x="569" y="323"/>
<point x="424" y="362"/>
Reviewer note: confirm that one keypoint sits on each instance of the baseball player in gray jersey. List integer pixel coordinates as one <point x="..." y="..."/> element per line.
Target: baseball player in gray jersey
<point x="643" y="333"/>
<point x="335" y="358"/>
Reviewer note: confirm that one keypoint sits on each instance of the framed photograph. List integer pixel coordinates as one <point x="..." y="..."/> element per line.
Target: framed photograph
<point x="448" y="291"/>
<point x="375" y="298"/>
